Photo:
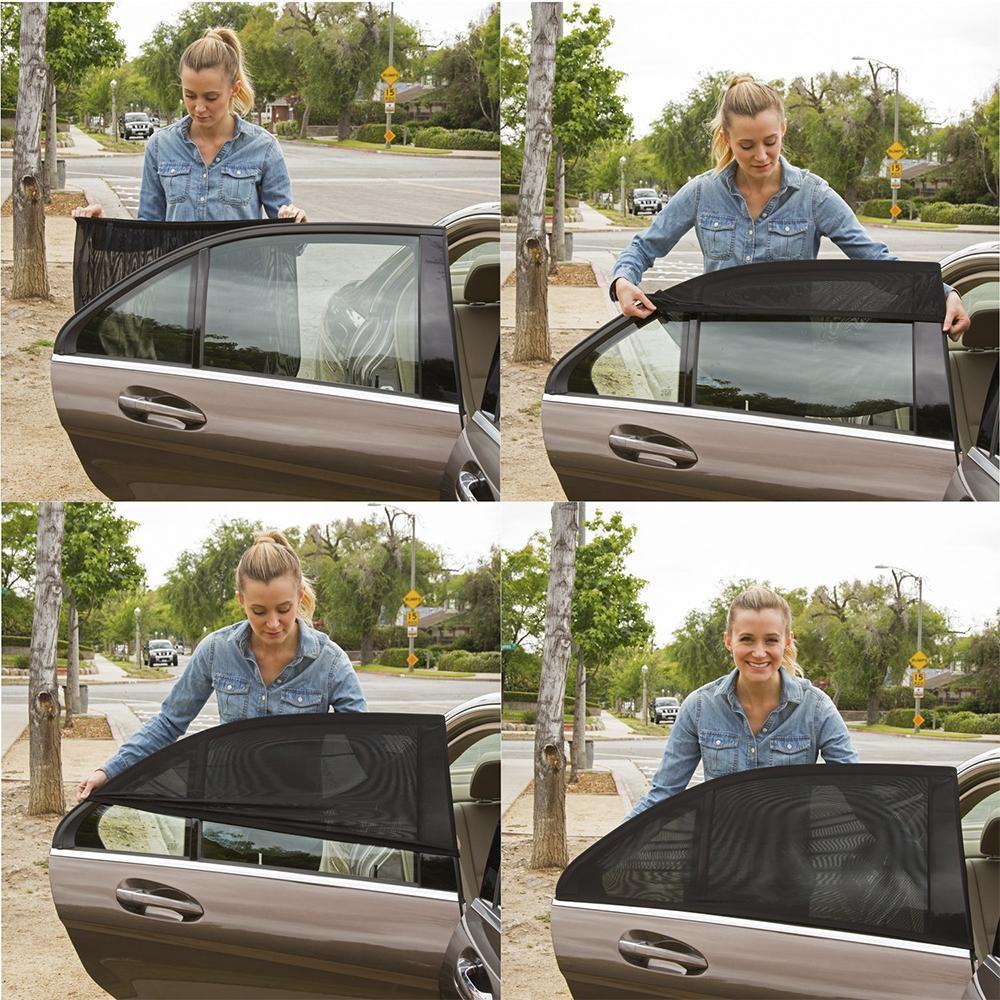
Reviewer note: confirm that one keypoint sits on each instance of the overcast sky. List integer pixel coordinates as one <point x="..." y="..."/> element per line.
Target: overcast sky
<point x="947" y="54"/>
<point x="688" y="550"/>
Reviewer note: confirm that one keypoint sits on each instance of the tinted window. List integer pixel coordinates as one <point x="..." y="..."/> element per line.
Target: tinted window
<point x="490" y="890"/>
<point x="491" y="394"/>
<point x="153" y="322"/>
<point x="133" y="831"/>
<point x="987" y="438"/>
<point x="335" y="309"/>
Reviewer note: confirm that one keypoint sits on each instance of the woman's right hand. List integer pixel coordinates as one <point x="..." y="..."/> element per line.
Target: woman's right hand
<point x="632" y="300"/>
<point x="91" y="783"/>
<point x="93" y="211"/>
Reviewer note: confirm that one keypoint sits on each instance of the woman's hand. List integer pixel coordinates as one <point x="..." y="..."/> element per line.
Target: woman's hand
<point x="956" y="319"/>
<point x="93" y="211"/>
<point x="632" y="300"/>
<point x="91" y="783"/>
<point x="291" y="212"/>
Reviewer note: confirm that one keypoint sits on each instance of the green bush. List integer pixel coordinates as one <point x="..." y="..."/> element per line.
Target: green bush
<point x="902" y="717"/>
<point x="507" y="209"/>
<point x="22" y="661"/>
<point x="394" y="657"/>
<point x="952" y="721"/>
<point x="960" y="215"/>
<point x="528" y="717"/>
<point x="878" y="208"/>
<point x="460" y="138"/>
<point x="6" y="133"/>
<point x="986" y="724"/>
<point x="288" y="130"/>
<point x="879" y="187"/>
<point x="457" y="659"/>
<point x="488" y="663"/>
<point x="372" y="132"/>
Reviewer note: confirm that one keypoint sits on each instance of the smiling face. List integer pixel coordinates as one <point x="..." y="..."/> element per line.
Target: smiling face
<point x="271" y="608"/>
<point x="207" y="95"/>
<point x="758" y="640"/>
<point x="756" y="143"/>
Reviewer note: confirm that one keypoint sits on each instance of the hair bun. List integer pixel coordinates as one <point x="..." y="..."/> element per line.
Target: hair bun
<point x="273" y="536"/>
<point x="738" y="78"/>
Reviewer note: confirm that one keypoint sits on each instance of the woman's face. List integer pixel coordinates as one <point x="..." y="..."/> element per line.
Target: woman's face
<point x="271" y="608"/>
<point x="756" y="142"/>
<point x="758" y="641"/>
<point x="207" y="94"/>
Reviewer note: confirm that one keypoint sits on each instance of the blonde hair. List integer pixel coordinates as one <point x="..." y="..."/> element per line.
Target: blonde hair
<point x="220" y="48"/>
<point x="762" y="599"/>
<point x="743" y="96"/>
<point x="271" y="556"/>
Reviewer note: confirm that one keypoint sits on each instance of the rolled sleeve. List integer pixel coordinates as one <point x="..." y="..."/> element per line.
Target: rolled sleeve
<point x="275" y="184"/>
<point x="152" y="197"/>
<point x="345" y="688"/>
<point x="834" y="740"/>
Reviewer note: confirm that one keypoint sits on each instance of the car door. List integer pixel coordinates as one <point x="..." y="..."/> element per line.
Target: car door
<point x="814" y="881"/>
<point x="266" y="361"/>
<point x="978" y="474"/>
<point x="473" y="471"/>
<point x="816" y="380"/>
<point x="289" y="856"/>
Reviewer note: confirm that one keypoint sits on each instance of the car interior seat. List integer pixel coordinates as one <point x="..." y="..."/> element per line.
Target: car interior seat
<point x="984" y="886"/>
<point x="477" y="323"/>
<point x="972" y="363"/>
<point x="476" y="821"/>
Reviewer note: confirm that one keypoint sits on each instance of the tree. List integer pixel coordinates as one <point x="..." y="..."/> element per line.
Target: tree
<point x="524" y="576"/>
<point x="549" y="842"/>
<point x="481" y="594"/>
<point x="20" y="526"/>
<point x="983" y="662"/>
<point x="531" y="331"/>
<point x="44" y="751"/>
<point x="31" y="277"/>
<point x="270" y="54"/>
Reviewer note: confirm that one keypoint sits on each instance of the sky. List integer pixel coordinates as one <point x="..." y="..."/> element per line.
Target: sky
<point x="947" y="55"/>
<point x="687" y="551"/>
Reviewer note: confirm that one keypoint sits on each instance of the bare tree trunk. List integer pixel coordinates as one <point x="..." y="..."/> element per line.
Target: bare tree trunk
<point x="578" y="755"/>
<point x="367" y="648"/>
<point x="549" y="844"/>
<point x="44" y="750"/>
<point x="304" y="127"/>
<point x="73" y="661"/>
<point x="51" y="172"/>
<point x="559" y="210"/>
<point x="31" y="278"/>
<point x="531" y="318"/>
<point x="344" y="123"/>
<point x="872" y="707"/>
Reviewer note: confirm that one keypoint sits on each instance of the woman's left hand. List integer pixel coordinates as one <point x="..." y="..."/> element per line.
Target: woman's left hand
<point x="291" y="212"/>
<point x="956" y="319"/>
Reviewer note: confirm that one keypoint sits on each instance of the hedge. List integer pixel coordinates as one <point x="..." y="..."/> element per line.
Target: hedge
<point x="289" y="129"/>
<point x="532" y="696"/>
<point x="971" y="722"/>
<point x="458" y="660"/>
<point x="960" y="215"/>
<point x="903" y="718"/>
<point x="878" y="208"/>
<point x="372" y="132"/>
<point x="459" y="138"/>
<point x="879" y="187"/>
<point x="25" y="640"/>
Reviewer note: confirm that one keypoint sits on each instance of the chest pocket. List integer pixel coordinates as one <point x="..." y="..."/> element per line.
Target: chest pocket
<point x="718" y="235"/>
<point x="786" y="240"/>
<point x="297" y="700"/>
<point x="791" y="750"/>
<point x="232" y="693"/>
<point x="238" y="184"/>
<point x="175" y="178"/>
<point x="720" y="753"/>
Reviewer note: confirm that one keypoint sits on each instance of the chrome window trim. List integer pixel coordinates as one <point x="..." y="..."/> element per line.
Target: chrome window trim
<point x="345" y="392"/>
<point x="487" y="911"/>
<point x="187" y="864"/>
<point x="786" y="423"/>
<point x="481" y="420"/>
<point x="766" y="925"/>
<point x="976" y="455"/>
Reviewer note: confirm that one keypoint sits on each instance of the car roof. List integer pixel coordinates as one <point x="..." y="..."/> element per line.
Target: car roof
<point x="989" y="248"/>
<point x="470" y="211"/>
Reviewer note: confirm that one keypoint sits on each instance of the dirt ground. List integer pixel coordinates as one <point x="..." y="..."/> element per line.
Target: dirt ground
<point x="577" y="275"/>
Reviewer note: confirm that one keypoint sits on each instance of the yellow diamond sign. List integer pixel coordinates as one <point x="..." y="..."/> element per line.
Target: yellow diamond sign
<point x="412" y="660"/>
<point x="895" y="152"/>
<point x="895" y="210"/>
<point x="390" y="75"/>
<point x="918" y="719"/>
<point x="412" y="618"/>
<point x="389" y="135"/>
<point x="895" y="168"/>
<point x="918" y="678"/>
<point x="412" y="599"/>
<point x="919" y="660"/>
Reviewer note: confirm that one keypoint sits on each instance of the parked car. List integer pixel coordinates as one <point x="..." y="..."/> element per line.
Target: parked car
<point x="160" y="653"/>
<point x="308" y="855"/>
<point x="664" y="710"/>
<point x="642" y="200"/>
<point x="792" y="380"/>
<point x="268" y="359"/>
<point x="155" y="120"/>
<point x="135" y="125"/>
<point x="855" y="881"/>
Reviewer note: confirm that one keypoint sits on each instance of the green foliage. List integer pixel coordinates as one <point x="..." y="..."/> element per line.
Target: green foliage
<point x="879" y="187"/>
<point x="508" y="209"/>
<point x="521" y="671"/>
<point x="18" y="613"/>
<point x="287" y="130"/>
<point x="6" y="133"/>
<point x="488" y="662"/>
<point x="643" y="168"/>
<point x="963" y="215"/>
<point x="465" y="138"/>
<point x="481" y="595"/>
<point x="529" y="716"/>
<point x="987" y="724"/>
<point x="903" y="717"/>
<point x="982" y="657"/>
<point x="968" y="152"/>
<point x="372" y="132"/>
<point x="396" y="657"/>
<point x="20" y="524"/>
<point x="269" y="53"/>
<point x="459" y="660"/>
<point x="524" y="578"/>
<point x="878" y="208"/>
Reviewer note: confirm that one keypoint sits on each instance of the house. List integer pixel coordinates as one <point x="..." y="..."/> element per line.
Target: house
<point x="280" y="110"/>
<point x="443" y="625"/>
<point x="951" y="686"/>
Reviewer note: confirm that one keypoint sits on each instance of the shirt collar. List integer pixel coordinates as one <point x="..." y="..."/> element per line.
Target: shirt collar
<point x="791" y="176"/>
<point x="308" y="645"/>
<point x="792" y="689"/>
<point x="241" y="127"/>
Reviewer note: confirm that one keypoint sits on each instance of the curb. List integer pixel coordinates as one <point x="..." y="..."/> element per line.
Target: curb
<point x="453" y="153"/>
<point x="982" y="737"/>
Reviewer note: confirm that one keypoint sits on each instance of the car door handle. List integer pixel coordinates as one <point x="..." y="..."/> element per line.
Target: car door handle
<point x="470" y="481"/>
<point x="680" y="958"/>
<point x="153" y="410"/>
<point x="464" y="969"/>
<point x="639" y="444"/>
<point x="136" y="900"/>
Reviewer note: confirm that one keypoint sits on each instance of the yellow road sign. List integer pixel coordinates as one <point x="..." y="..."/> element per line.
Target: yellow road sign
<point x="919" y="660"/>
<point x="390" y="74"/>
<point x="918" y="678"/>
<point x="895" y="152"/>
<point x="412" y="660"/>
<point x="412" y="617"/>
<point x="389" y="94"/>
<point x="412" y="599"/>
<point x="918" y="719"/>
<point x="895" y="168"/>
<point x="389" y="135"/>
<point x="895" y="210"/>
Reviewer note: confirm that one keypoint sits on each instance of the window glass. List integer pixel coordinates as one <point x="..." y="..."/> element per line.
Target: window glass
<point x="490" y="890"/>
<point x="337" y="309"/>
<point x="491" y="395"/>
<point x="840" y="371"/>
<point x="123" y="829"/>
<point x="150" y="323"/>
<point x="640" y="362"/>
<point x="462" y="265"/>
<point x="975" y="819"/>
<point x="986" y="439"/>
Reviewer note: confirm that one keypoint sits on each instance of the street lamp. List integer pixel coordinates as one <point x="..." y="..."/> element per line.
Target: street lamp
<point x="138" y="647"/>
<point x="413" y="559"/>
<point x="876" y="65"/>
<point x="903" y="574"/>
<point x="645" y="674"/>
<point x="114" y="117"/>
<point x="621" y="167"/>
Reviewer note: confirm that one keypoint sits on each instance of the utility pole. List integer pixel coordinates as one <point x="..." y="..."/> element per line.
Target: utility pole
<point x="388" y="114"/>
<point x="578" y="754"/>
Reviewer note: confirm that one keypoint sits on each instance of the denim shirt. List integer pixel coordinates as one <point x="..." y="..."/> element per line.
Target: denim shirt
<point x="248" y="173"/>
<point x="319" y="677"/>
<point x="789" y="227"/>
<point x="712" y="727"/>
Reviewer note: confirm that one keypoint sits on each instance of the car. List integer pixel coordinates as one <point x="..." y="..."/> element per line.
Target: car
<point x="135" y="125"/>
<point x="856" y="881"/>
<point x="160" y="652"/>
<point x="642" y="200"/>
<point x="309" y="855"/>
<point x="264" y="359"/>
<point x="787" y="380"/>
<point x="664" y="709"/>
<point x="155" y="120"/>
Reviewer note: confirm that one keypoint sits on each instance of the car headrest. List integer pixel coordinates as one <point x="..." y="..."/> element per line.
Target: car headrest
<point x="485" y="784"/>
<point x="482" y="285"/>
<point x="984" y="331"/>
<point x="989" y="842"/>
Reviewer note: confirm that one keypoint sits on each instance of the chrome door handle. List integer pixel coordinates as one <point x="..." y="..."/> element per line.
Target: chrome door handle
<point x="671" y="452"/>
<point x="140" y="899"/>
<point x="467" y="481"/>
<point x="143" y="406"/>
<point x="685" y="961"/>
<point x="463" y="979"/>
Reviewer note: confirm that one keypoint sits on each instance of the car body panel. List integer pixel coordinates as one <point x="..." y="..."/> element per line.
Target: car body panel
<point x="473" y="469"/>
<point x="471" y="969"/>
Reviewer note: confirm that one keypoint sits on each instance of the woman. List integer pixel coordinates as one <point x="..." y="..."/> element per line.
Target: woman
<point x="763" y="713"/>
<point x="271" y="664"/>
<point x="212" y="165"/>
<point x="753" y="206"/>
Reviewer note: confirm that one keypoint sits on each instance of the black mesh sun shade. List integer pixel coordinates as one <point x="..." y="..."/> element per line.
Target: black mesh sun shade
<point x="905" y="291"/>
<point x="367" y="777"/>
<point x="108" y="250"/>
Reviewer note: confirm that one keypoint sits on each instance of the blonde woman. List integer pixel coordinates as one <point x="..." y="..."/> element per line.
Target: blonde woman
<point x="753" y="206"/>
<point x="763" y="713"/>
<point x="212" y="165"/>
<point x="273" y="663"/>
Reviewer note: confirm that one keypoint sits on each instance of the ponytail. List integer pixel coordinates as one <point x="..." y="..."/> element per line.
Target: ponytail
<point x="220" y="48"/>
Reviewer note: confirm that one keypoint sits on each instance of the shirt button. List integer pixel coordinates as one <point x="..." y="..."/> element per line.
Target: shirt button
<point x="764" y="730"/>
<point x="263" y="697"/>
<point x="752" y="750"/>
<point x="203" y="198"/>
<point x="786" y="229"/>
<point x="229" y="687"/>
<point x="716" y="225"/>
<point x="718" y="743"/>
<point x="750" y="232"/>
<point x="279" y="680"/>
<point x="763" y="215"/>
<point x="748" y="258"/>
<point x="300" y="699"/>
<point x="788" y="746"/>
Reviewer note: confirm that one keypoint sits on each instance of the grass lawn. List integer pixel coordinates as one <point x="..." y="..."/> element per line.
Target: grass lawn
<point x="645" y="728"/>
<point x="632" y="221"/>
<point x="377" y="668"/>
<point x="115" y="145"/>
<point x="931" y="733"/>
<point x="143" y="673"/>
<point x="901" y="224"/>
<point x="380" y="147"/>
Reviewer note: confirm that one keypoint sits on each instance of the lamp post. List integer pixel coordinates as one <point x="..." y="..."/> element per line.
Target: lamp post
<point x="904" y="573"/>
<point x="114" y="117"/>
<point x="876" y="65"/>
<point x="413" y="558"/>
<point x="621" y="168"/>
<point x="138" y="644"/>
<point x="645" y="673"/>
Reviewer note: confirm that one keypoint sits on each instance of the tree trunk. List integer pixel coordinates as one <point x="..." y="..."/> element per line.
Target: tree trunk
<point x="367" y="648"/>
<point x="559" y="210"/>
<point x="578" y="755"/>
<point x="549" y="844"/>
<point x="30" y="278"/>
<point x="304" y="127"/>
<point x="344" y="123"/>
<point x="44" y="757"/>
<point x="531" y="319"/>
<point x="52" y="146"/>
<point x="873" y="709"/>
<point x="73" y="661"/>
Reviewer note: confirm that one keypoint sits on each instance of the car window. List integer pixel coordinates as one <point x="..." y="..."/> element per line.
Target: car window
<point x="133" y="831"/>
<point x="979" y="809"/>
<point x="467" y="259"/>
<point x="490" y="890"/>
<point x="491" y="394"/>
<point x="153" y="322"/>
<point x="464" y="765"/>
<point x="338" y="309"/>
<point x="986" y="440"/>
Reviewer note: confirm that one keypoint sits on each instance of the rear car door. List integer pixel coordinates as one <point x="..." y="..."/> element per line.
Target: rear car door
<point x="473" y="472"/>
<point x="816" y="380"/>
<point x="290" y="856"/>
<point x="814" y="881"/>
<point x="267" y="361"/>
<point x="978" y="475"/>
